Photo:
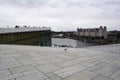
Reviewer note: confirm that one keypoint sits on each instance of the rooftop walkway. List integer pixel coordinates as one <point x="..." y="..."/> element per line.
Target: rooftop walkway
<point x="112" y="48"/>
<point x="43" y="63"/>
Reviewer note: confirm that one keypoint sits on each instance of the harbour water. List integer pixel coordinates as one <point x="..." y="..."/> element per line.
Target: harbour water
<point x="70" y="43"/>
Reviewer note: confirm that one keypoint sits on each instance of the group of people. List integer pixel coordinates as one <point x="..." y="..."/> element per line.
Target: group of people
<point x="55" y="45"/>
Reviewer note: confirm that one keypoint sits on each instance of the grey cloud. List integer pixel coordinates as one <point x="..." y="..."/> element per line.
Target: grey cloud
<point x="73" y="3"/>
<point x="118" y="9"/>
<point x="24" y="3"/>
<point x="105" y="3"/>
<point x="113" y="3"/>
<point x="95" y="5"/>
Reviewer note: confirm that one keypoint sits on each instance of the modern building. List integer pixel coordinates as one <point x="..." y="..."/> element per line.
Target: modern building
<point x="26" y="36"/>
<point x="93" y="32"/>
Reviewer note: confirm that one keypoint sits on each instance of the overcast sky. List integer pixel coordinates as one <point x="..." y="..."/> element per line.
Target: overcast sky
<point x="61" y="14"/>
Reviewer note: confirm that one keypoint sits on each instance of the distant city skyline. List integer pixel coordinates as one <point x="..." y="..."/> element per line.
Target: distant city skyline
<point x="61" y="15"/>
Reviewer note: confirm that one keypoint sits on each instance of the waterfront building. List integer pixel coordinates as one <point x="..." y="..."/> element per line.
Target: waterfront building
<point x="26" y="36"/>
<point x="93" y="32"/>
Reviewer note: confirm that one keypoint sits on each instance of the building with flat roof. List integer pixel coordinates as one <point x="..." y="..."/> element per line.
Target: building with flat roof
<point x="26" y="36"/>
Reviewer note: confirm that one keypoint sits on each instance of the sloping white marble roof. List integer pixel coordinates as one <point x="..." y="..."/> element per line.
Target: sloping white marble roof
<point x="18" y="62"/>
<point x="27" y="29"/>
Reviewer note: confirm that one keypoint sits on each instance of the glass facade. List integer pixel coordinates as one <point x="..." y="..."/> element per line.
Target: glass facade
<point x="41" y="38"/>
